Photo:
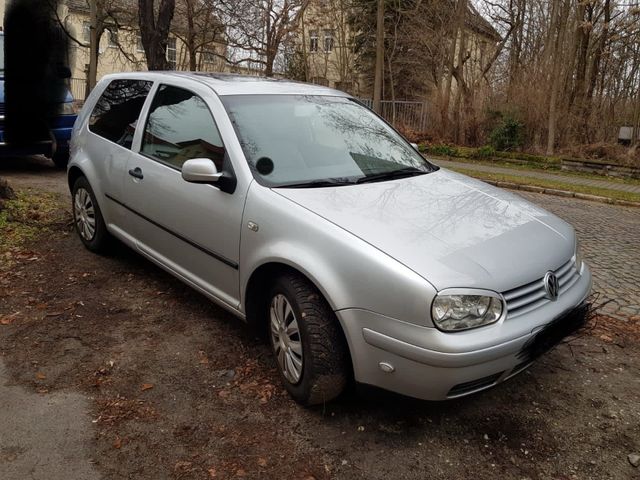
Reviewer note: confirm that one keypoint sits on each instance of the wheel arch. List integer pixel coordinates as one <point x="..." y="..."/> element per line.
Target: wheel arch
<point x="257" y="288"/>
<point x="73" y="175"/>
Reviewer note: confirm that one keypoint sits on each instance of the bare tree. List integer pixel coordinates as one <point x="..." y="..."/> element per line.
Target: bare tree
<point x="154" y="30"/>
<point x="257" y="30"/>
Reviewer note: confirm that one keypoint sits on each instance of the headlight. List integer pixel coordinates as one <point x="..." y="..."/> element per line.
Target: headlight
<point x="68" y="108"/>
<point x="461" y="312"/>
<point x="578" y="256"/>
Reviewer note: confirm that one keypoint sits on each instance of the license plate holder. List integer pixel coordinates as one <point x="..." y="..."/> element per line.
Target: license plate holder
<point x="554" y="332"/>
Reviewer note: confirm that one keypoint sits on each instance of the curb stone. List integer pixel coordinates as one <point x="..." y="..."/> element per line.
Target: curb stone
<point x="563" y="193"/>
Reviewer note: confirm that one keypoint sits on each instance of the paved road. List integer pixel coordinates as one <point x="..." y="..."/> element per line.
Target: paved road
<point x="575" y="180"/>
<point x="610" y="238"/>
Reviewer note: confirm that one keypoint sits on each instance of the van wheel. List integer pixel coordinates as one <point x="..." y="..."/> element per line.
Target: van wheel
<point x="308" y="344"/>
<point x="87" y="217"/>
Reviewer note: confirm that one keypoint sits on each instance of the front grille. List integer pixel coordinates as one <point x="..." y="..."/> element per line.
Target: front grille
<point x="530" y="296"/>
<point x="1" y="108"/>
<point x="472" y="386"/>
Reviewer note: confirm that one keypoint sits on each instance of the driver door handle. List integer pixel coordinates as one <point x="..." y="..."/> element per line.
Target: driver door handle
<point x="136" y="173"/>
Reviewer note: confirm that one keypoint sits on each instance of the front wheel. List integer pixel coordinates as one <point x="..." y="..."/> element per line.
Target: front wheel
<point x="307" y="341"/>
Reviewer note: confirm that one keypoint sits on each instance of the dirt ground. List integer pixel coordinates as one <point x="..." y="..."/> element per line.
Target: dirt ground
<point x="161" y="384"/>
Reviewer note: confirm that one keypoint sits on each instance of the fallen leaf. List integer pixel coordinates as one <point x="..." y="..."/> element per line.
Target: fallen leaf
<point x="117" y="443"/>
<point x="40" y="376"/>
<point x="212" y="472"/>
<point x="262" y="462"/>
<point x="42" y="390"/>
<point x="54" y="314"/>
<point x="240" y="472"/>
<point x="7" y="320"/>
<point x="183" y="466"/>
<point x="223" y="393"/>
<point x="146" y="386"/>
<point x="203" y="357"/>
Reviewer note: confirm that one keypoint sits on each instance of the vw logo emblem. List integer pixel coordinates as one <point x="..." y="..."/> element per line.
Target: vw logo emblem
<point x="551" y="285"/>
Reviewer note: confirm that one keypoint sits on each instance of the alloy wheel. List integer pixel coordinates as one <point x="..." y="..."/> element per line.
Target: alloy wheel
<point x="84" y="214"/>
<point x="286" y="339"/>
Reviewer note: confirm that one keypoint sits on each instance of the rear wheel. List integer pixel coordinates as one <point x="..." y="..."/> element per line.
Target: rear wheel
<point x="87" y="217"/>
<point x="307" y="342"/>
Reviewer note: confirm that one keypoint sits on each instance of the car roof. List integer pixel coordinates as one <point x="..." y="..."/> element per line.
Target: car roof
<point x="233" y="84"/>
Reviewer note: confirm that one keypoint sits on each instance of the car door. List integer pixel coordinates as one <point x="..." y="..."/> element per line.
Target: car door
<point x="191" y="229"/>
<point x="111" y="126"/>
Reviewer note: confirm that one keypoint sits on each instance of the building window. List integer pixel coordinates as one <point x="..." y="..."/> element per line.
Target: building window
<point x="172" y="52"/>
<point x="139" y="46"/>
<point x="86" y="32"/>
<point x="209" y="56"/>
<point x="313" y="41"/>
<point x="112" y="37"/>
<point x="328" y="41"/>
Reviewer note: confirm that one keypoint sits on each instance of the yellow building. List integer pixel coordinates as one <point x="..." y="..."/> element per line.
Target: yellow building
<point x="120" y="46"/>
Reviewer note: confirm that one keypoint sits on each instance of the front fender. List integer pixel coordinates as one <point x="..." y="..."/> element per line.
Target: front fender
<point x="349" y="272"/>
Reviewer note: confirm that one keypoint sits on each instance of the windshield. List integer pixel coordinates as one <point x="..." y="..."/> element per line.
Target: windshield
<point x="294" y="140"/>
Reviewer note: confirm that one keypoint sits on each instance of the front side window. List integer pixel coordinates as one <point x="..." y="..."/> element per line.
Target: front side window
<point x="317" y="140"/>
<point x="117" y="111"/>
<point x="180" y="127"/>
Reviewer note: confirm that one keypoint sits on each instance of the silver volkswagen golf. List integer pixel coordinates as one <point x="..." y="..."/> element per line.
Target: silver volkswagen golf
<point x="305" y="214"/>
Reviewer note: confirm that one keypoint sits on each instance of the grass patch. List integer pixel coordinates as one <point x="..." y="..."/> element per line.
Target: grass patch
<point x="555" y="169"/>
<point x="559" y="185"/>
<point x="30" y="215"/>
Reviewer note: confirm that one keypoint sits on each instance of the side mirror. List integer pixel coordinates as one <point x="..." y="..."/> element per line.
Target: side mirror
<point x="200" y="170"/>
<point x="415" y="145"/>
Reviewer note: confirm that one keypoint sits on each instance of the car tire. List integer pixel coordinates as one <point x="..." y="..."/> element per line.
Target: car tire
<point x="87" y="217"/>
<point x="61" y="157"/>
<point x="314" y="362"/>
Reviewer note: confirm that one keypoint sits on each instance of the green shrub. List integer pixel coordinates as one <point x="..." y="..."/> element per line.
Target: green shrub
<point x="443" y="150"/>
<point x="507" y="135"/>
<point x="484" y="152"/>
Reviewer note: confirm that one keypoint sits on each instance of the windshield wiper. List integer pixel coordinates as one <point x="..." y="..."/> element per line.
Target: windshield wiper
<point x="327" y="182"/>
<point x="402" y="173"/>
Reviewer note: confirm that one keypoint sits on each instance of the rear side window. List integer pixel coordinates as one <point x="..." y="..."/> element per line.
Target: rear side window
<point x="180" y="127"/>
<point x="116" y="113"/>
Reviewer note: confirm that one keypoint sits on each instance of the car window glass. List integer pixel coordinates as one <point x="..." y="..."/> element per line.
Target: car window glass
<point x="116" y="113"/>
<point x="180" y="127"/>
<point x="317" y="138"/>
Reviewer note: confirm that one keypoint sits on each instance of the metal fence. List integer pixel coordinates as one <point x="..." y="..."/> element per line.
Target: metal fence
<point x="403" y="114"/>
<point x="78" y="87"/>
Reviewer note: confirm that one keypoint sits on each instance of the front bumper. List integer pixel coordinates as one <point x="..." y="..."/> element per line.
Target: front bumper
<point x="425" y="363"/>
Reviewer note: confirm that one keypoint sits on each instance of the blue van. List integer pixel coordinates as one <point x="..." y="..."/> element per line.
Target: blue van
<point x="61" y="125"/>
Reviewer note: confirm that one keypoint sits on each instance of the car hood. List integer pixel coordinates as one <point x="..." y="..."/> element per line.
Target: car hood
<point x="452" y="230"/>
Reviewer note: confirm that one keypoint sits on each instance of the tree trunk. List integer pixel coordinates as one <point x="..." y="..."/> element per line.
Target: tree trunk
<point x="93" y="48"/>
<point x="155" y="31"/>
<point x="377" y="82"/>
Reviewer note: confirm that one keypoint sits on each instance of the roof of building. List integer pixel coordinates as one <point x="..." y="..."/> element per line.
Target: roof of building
<point x="234" y="84"/>
<point x="479" y="24"/>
